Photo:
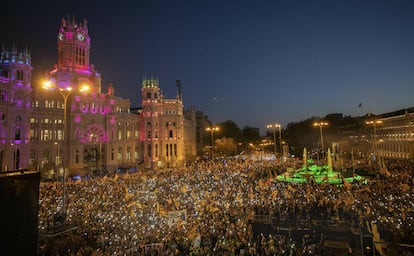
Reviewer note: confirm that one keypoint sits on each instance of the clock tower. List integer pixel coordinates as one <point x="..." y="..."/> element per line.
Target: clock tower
<point x="73" y="45"/>
<point x="73" y="68"/>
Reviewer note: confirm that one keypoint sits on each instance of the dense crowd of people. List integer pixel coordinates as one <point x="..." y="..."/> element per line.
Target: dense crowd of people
<point x="207" y="207"/>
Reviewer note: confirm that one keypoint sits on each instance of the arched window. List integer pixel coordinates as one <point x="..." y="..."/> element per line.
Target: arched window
<point x="20" y="75"/>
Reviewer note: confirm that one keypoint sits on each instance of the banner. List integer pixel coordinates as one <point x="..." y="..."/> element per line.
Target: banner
<point x="177" y="218"/>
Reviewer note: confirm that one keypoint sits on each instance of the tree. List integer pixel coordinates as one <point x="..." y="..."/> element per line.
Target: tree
<point x="226" y="146"/>
<point x="229" y="129"/>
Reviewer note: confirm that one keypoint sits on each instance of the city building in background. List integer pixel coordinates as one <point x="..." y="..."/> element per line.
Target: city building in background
<point x="66" y="121"/>
<point x="395" y="134"/>
<point x="15" y="108"/>
<point x="168" y="132"/>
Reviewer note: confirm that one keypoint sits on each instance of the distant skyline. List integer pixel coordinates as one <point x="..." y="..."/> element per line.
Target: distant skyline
<point x="253" y="62"/>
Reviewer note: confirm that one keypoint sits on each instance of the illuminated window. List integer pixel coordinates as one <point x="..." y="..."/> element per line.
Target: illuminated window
<point x="31" y="134"/>
<point x="119" y="153"/>
<point x="119" y="135"/>
<point x="59" y="135"/>
<point x="128" y="135"/>
<point x="128" y="154"/>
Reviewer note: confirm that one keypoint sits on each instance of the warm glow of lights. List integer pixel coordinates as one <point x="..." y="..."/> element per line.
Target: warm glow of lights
<point x="47" y="84"/>
<point x="276" y="125"/>
<point x="85" y="88"/>
<point x="374" y="122"/>
<point x="320" y="124"/>
<point x="212" y="129"/>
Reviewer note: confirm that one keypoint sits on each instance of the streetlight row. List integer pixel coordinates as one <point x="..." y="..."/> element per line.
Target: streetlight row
<point x="274" y="126"/>
<point x="212" y="130"/>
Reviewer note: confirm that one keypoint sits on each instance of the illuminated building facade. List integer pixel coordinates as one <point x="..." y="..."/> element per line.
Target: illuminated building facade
<point x="168" y="133"/>
<point x="101" y="132"/>
<point x="67" y="122"/>
<point x="395" y="134"/>
<point x="15" y="110"/>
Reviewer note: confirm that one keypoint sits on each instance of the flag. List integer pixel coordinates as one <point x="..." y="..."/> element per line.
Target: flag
<point x="290" y="188"/>
<point x="192" y="233"/>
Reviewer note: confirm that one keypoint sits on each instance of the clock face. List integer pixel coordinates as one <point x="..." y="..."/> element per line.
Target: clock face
<point x="80" y="37"/>
<point x="60" y="36"/>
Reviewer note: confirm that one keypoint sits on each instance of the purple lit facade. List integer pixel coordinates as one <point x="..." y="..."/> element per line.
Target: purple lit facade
<point x="101" y="132"/>
<point x="15" y="110"/>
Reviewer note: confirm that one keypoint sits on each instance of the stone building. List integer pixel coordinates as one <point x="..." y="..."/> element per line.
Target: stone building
<point x="67" y="122"/>
<point x="15" y="108"/>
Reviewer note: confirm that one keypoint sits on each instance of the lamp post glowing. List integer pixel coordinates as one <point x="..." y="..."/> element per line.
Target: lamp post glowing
<point x="274" y="126"/>
<point x="212" y="130"/>
<point x="65" y="93"/>
<point x="321" y="124"/>
<point x="374" y="143"/>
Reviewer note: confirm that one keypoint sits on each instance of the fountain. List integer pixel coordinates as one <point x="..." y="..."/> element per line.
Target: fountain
<point x="317" y="173"/>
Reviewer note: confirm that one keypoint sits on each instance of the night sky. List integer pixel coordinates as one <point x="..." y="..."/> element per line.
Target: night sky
<point x="252" y="62"/>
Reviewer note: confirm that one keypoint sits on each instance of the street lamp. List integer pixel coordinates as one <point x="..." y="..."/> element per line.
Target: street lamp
<point x="57" y="158"/>
<point x="374" y="143"/>
<point x="65" y="92"/>
<point x="274" y="126"/>
<point x="14" y="156"/>
<point x="321" y="124"/>
<point x="212" y="130"/>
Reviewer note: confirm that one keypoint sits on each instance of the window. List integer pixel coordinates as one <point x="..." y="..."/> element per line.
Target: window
<point x="20" y="75"/>
<point x="171" y="133"/>
<point x="148" y="95"/>
<point x="17" y="134"/>
<point x="149" y="150"/>
<point x="128" y="155"/>
<point x="120" y="154"/>
<point x="3" y="96"/>
<point x="77" y="156"/>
